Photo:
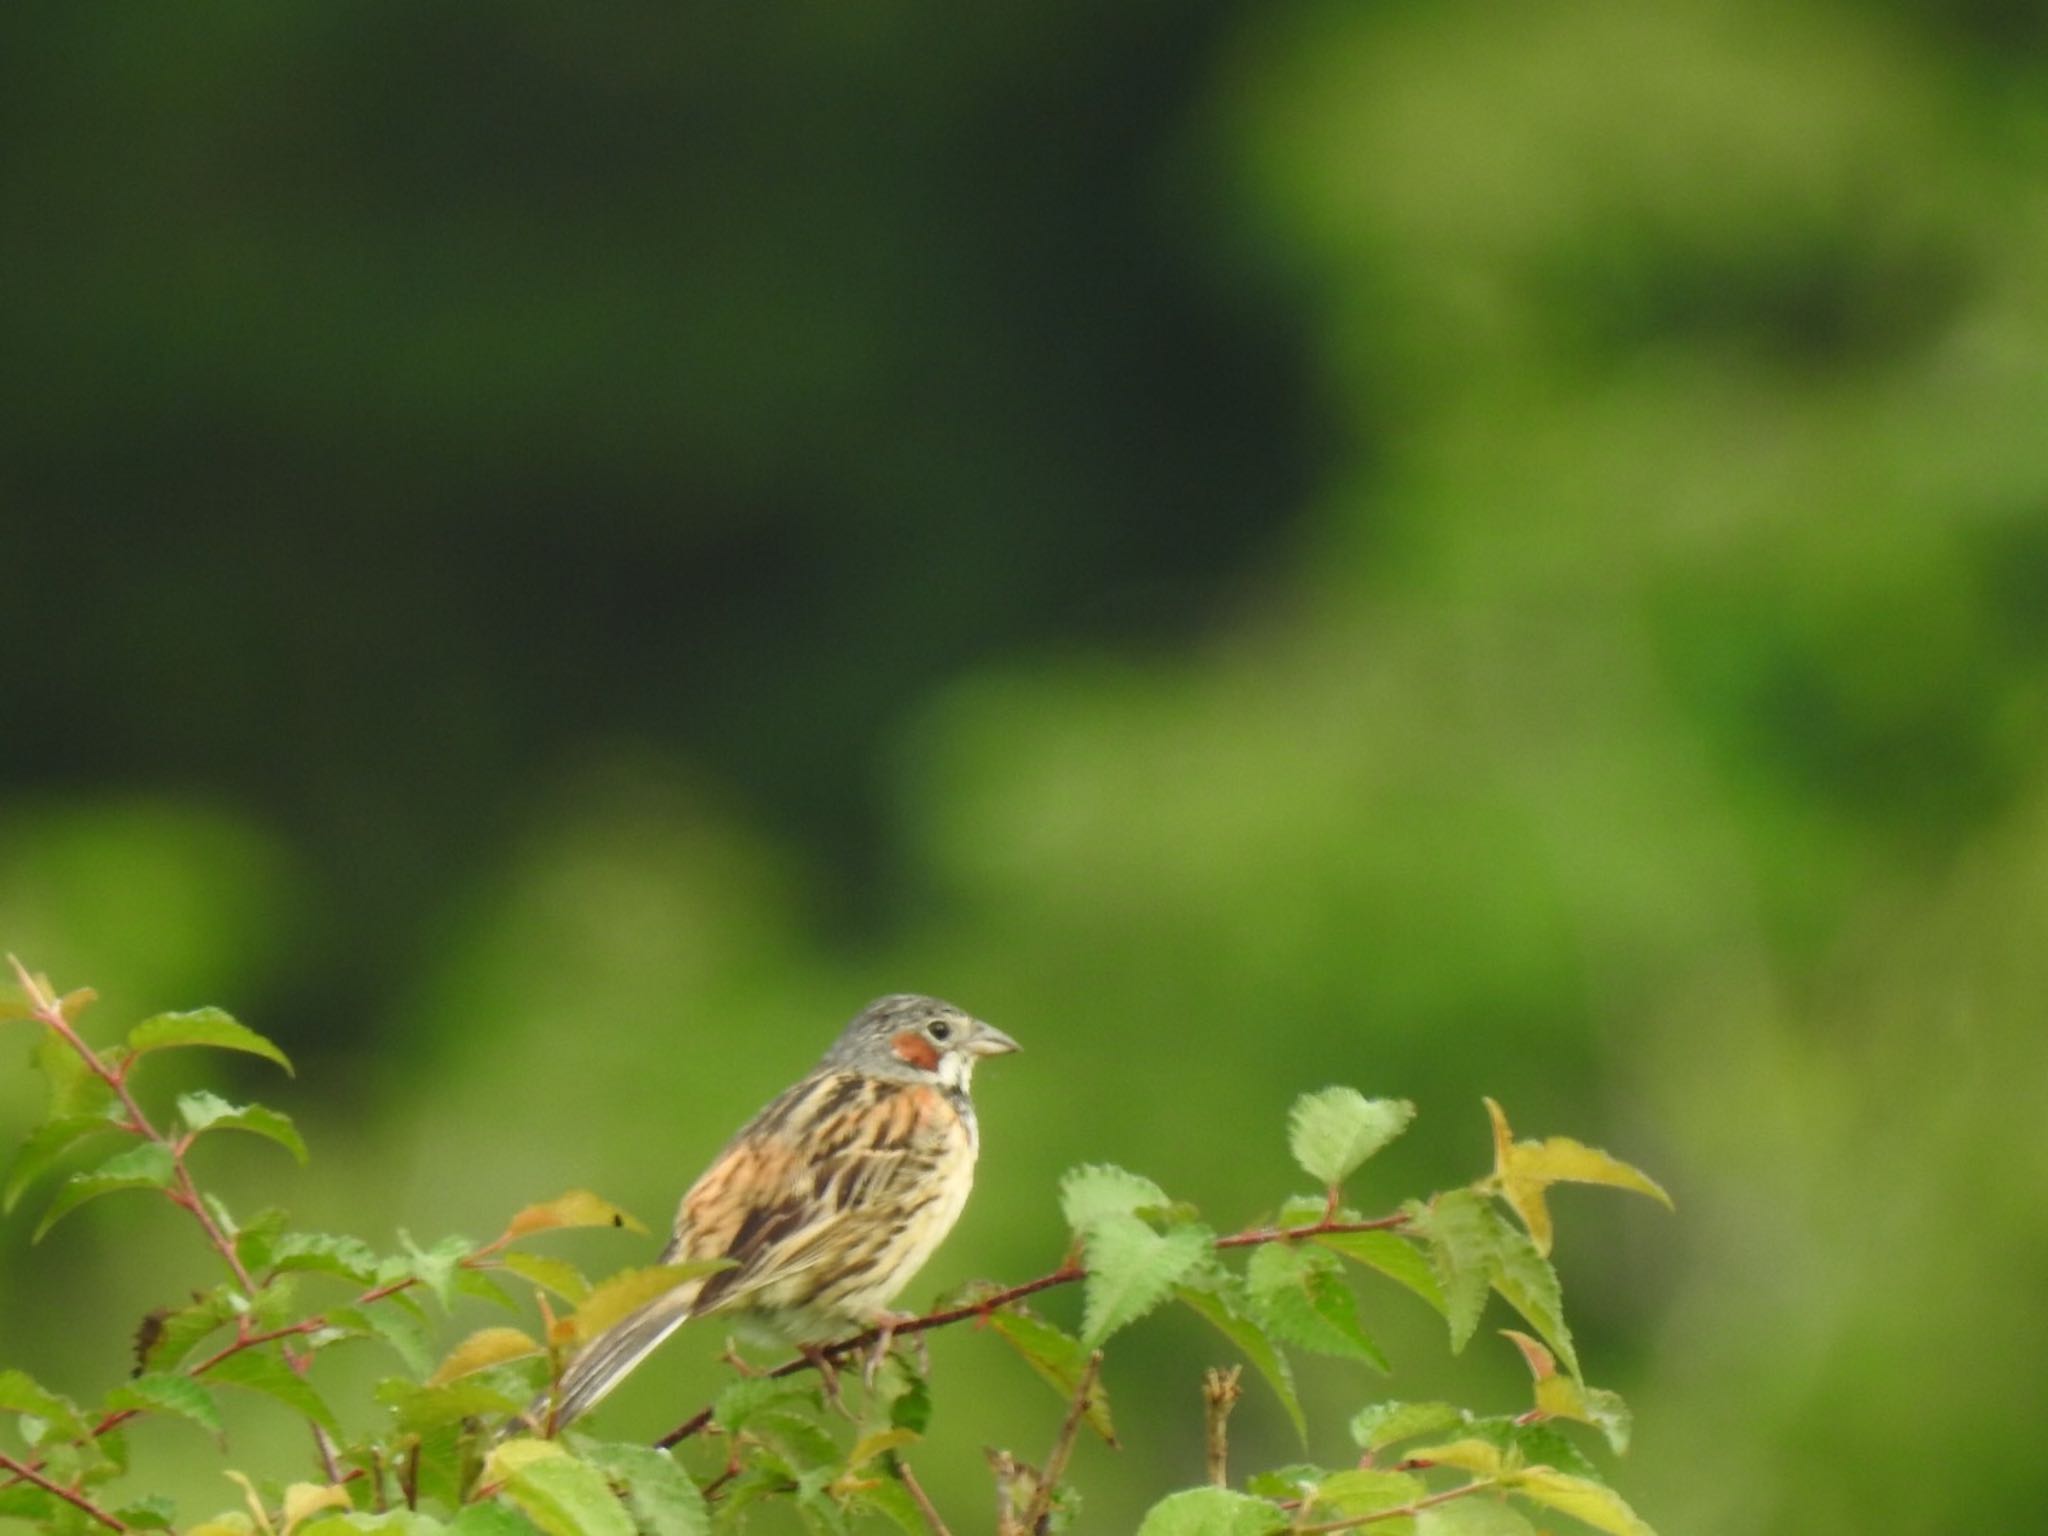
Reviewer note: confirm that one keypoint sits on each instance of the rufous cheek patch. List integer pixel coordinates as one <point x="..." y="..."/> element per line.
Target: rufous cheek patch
<point x="913" y="1048"/>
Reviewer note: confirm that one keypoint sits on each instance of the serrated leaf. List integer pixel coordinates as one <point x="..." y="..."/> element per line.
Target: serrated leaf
<point x="1383" y="1424"/>
<point x="435" y="1267"/>
<point x="43" y="1147"/>
<point x="390" y="1325"/>
<point x="1479" y="1515"/>
<point x="166" y="1392"/>
<point x="1366" y="1491"/>
<point x="1527" y="1283"/>
<point x="421" y="1410"/>
<point x="1482" y="1458"/>
<point x="1333" y="1131"/>
<point x="1057" y="1357"/>
<point x="1566" y="1397"/>
<point x="576" y="1208"/>
<point x="202" y="1026"/>
<point x="481" y="1350"/>
<point x="1392" y="1255"/>
<point x="1132" y="1269"/>
<point x="260" y="1371"/>
<point x="1459" y="1230"/>
<point x="168" y="1336"/>
<point x="490" y="1519"/>
<point x="662" y="1498"/>
<point x="742" y="1402"/>
<point x="22" y="1393"/>
<point x="151" y="1512"/>
<point x="887" y="1497"/>
<point x="1297" y="1294"/>
<point x="1212" y="1512"/>
<point x="560" y="1494"/>
<point x="557" y="1275"/>
<point x="614" y="1299"/>
<point x="147" y="1166"/>
<point x="1096" y="1191"/>
<point x="1524" y="1170"/>
<point x="347" y="1258"/>
<point x="1222" y="1306"/>
<point x="204" y="1111"/>
<point x="1583" y="1499"/>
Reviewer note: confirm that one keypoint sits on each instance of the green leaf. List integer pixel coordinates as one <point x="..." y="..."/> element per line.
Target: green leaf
<point x="1533" y="1445"/>
<point x="1097" y="1191"/>
<point x="43" y="1147"/>
<point x="389" y="1324"/>
<point x="490" y="1519"/>
<point x="147" y="1166"/>
<point x="166" y="1337"/>
<point x="560" y="1494"/>
<point x="747" y="1400"/>
<point x="1058" y="1358"/>
<point x="1330" y="1133"/>
<point x="1392" y="1255"/>
<point x="166" y="1392"/>
<point x="394" y="1522"/>
<point x="346" y="1258"/>
<point x="1212" y="1512"/>
<point x="22" y="1393"/>
<point x="151" y="1512"/>
<point x="1526" y="1281"/>
<point x="76" y="1090"/>
<point x="1479" y="1515"/>
<point x="1366" y="1491"/>
<point x="436" y="1267"/>
<point x="1132" y="1269"/>
<point x="1297" y="1293"/>
<point x="261" y="1371"/>
<point x="204" y="1111"/>
<point x="422" y="1409"/>
<point x="1583" y="1499"/>
<point x="202" y="1026"/>
<point x="557" y="1275"/>
<point x="1222" y="1305"/>
<point x="1459" y="1229"/>
<point x="1383" y="1424"/>
<point x="662" y="1498"/>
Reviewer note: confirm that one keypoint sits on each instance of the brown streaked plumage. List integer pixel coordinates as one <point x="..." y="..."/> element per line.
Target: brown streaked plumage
<point x="827" y="1201"/>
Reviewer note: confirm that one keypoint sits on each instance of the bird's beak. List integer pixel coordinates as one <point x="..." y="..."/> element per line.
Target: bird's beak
<point x="990" y="1041"/>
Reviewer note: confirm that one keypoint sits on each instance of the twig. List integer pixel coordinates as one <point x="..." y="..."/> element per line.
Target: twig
<point x="1220" y="1393"/>
<point x="1415" y="1508"/>
<point x="1062" y="1448"/>
<point x="995" y="1301"/>
<point x="920" y="1498"/>
<point x="68" y="1495"/>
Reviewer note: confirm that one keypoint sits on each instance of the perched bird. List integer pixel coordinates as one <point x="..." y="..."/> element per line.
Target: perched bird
<point x="826" y="1202"/>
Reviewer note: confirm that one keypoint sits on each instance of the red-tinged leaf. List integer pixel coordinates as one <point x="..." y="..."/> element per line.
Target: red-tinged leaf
<point x="205" y="1027"/>
<point x="577" y="1208"/>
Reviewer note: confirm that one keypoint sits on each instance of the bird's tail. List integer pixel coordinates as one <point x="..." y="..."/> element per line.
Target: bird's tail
<point x="607" y="1360"/>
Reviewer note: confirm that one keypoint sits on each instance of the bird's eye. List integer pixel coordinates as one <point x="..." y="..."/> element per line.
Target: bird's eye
<point x="940" y="1030"/>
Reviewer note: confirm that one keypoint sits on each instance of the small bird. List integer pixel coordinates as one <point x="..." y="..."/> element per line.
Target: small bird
<point x="826" y="1202"/>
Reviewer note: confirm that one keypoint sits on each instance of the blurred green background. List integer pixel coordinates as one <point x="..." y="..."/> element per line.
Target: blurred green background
<point x="551" y="552"/>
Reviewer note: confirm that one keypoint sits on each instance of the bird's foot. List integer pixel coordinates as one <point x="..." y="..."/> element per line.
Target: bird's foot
<point x="886" y="1324"/>
<point x="828" y="1377"/>
<point x="740" y="1364"/>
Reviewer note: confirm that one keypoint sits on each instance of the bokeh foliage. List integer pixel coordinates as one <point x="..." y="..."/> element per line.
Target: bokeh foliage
<point x="1455" y="548"/>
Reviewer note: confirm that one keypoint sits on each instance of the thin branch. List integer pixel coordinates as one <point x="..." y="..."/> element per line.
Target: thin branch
<point x="995" y="1301"/>
<point x="920" y="1498"/>
<point x="1353" y="1522"/>
<point x="69" y="1495"/>
<point x="1063" y="1447"/>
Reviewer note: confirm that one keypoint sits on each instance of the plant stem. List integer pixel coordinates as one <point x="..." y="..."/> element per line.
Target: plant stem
<point x="70" y="1496"/>
<point x="920" y="1498"/>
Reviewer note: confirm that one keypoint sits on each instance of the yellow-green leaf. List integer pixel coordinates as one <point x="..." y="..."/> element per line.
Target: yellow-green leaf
<point x="481" y="1350"/>
<point x="1524" y="1170"/>
<point x="558" y="1493"/>
<point x="632" y="1289"/>
<point x="303" y="1500"/>
<point x="1583" y="1499"/>
<point x="577" y="1208"/>
<point x="557" y="1275"/>
<point x="1479" y="1457"/>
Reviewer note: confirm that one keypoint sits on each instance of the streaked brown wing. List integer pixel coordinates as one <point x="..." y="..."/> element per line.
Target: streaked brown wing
<point x="804" y="1176"/>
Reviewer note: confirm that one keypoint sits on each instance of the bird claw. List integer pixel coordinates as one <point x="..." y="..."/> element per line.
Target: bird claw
<point x="886" y="1325"/>
<point x="828" y="1377"/>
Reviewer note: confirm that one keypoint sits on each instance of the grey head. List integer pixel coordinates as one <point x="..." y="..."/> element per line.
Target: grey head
<point x="917" y="1039"/>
